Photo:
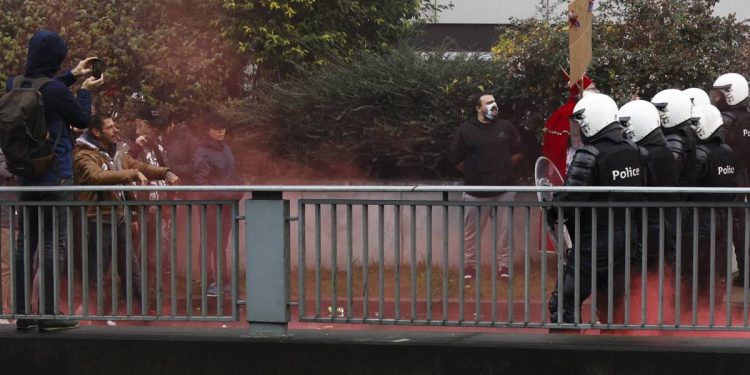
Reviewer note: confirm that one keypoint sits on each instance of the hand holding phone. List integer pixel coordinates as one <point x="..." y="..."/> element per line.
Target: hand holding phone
<point x="97" y="68"/>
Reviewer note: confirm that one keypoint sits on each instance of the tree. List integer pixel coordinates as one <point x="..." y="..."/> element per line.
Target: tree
<point x="640" y="48"/>
<point x="282" y="36"/>
<point x="387" y="115"/>
<point x="171" y="53"/>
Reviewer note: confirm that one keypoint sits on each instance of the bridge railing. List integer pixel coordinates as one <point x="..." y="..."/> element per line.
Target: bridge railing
<point x="387" y="255"/>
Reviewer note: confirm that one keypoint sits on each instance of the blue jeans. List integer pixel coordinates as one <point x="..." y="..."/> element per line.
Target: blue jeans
<point x="29" y="227"/>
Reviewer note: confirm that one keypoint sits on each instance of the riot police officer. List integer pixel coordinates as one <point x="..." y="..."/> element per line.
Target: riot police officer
<point x="730" y="95"/>
<point x="605" y="159"/>
<point x="715" y="167"/>
<point x="642" y="124"/>
<point x="675" y="111"/>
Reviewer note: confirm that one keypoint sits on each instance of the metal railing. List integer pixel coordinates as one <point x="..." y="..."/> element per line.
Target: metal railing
<point x="401" y="262"/>
<point x="395" y="255"/>
<point x="121" y="260"/>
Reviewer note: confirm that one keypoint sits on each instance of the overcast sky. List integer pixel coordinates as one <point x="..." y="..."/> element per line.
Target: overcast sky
<point x="500" y="11"/>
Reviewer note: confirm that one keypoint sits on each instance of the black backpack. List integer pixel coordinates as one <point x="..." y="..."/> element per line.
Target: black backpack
<point x="24" y="137"/>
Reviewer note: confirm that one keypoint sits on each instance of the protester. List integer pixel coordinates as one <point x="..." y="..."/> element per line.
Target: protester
<point x="214" y="164"/>
<point x="46" y="53"/>
<point x="558" y="143"/>
<point x="485" y="148"/>
<point x="150" y="128"/>
<point x="7" y="215"/>
<point x="96" y="163"/>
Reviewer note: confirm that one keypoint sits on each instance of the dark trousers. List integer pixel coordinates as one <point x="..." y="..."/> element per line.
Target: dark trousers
<point x="37" y="232"/>
<point x="119" y="248"/>
<point x="601" y="251"/>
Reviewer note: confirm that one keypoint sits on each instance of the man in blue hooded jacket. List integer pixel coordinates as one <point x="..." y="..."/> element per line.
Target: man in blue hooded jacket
<point x="46" y="53"/>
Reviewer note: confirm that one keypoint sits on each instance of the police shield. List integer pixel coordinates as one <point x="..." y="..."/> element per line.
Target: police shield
<point x="546" y="174"/>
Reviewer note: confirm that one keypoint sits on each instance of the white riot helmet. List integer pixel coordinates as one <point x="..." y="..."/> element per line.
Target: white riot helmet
<point x="709" y="120"/>
<point x="639" y="118"/>
<point x="698" y="96"/>
<point x="674" y="107"/>
<point x="733" y="86"/>
<point x="593" y="113"/>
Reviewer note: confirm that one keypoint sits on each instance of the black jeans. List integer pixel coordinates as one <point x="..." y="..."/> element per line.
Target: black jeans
<point x="32" y="236"/>
<point x="108" y="247"/>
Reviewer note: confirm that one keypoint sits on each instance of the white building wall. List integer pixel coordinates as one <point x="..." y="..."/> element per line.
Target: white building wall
<point x="501" y="11"/>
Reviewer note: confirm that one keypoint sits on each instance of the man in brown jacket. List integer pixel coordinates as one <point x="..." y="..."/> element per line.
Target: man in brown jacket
<point x="96" y="161"/>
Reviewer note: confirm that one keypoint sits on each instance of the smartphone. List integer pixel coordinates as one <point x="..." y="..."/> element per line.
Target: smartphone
<point x="97" y="68"/>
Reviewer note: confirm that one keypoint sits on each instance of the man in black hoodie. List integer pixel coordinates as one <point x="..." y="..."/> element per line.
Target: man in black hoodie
<point x="62" y="110"/>
<point x="485" y="148"/>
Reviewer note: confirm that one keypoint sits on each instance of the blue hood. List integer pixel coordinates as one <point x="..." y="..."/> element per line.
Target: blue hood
<point x="47" y="51"/>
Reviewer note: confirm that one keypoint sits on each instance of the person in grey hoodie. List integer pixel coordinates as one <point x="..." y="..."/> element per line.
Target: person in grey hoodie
<point x="215" y="164"/>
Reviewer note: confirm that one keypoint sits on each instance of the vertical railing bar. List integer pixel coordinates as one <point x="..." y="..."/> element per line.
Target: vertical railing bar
<point x="462" y="263"/>
<point x="173" y="261"/>
<point x="365" y="260"/>
<point x="511" y="295"/>
<point x="644" y="265"/>
<point x="381" y="262"/>
<point x="158" y="281"/>
<point x="55" y="261"/>
<point x="494" y="264"/>
<point x="413" y="238"/>
<point x="189" y="263"/>
<point x="728" y="270"/>
<point x="349" y="260"/>
<point x="446" y="267"/>
<point x="42" y="272"/>
<point x="128" y="263"/>
<point x="527" y="267"/>
<point x="334" y="261"/>
<point x="543" y="280"/>
<point x="695" y="267"/>
<point x="144" y="260"/>
<point x="678" y="267"/>
<point x="99" y="261"/>
<point x="220" y="259"/>
<point x="301" y="259"/>
<point x="428" y="249"/>
<point x="69" y="260"/>
<point x="318" y="270"/>
<point x="712" y="269"/>
<point x="610" y="265"/>
<point x="204" y="259"/>
<point x="628" y="239"/>
<point x="661" y="265"/>
<point x="113" y="257"/>
<point x="85" y="262"/>
<point x="594" y="265"/>
<point x="397" y="257"/>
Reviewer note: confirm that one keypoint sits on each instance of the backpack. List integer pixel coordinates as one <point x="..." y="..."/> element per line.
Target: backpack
<point x="24" y="137"/>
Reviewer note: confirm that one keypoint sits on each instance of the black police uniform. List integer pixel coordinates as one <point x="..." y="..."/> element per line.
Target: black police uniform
<point x="737" y="133"/>
<point x="715" y="167"/>
<point x="661" y="170"/>
<point x="607" y="159"/>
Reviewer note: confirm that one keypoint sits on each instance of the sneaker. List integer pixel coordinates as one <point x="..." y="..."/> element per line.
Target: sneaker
<point x="57" y="324"/>
<point x="4" y="321"/>
<point x="213" y="290"/>
<point x="503" y="272"/>
<point x="469" y="272"/>
<point x="26" y="324"/>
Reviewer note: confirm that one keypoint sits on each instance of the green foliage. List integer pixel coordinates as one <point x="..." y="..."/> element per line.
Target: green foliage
<point x="391" y="115"/>
<point x="640" y="48"/>
<point x="282" y="36"/>
<point x="171" y="53"/>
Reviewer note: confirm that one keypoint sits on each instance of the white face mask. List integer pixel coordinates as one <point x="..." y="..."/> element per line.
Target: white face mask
<point x="490" y="111"/>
